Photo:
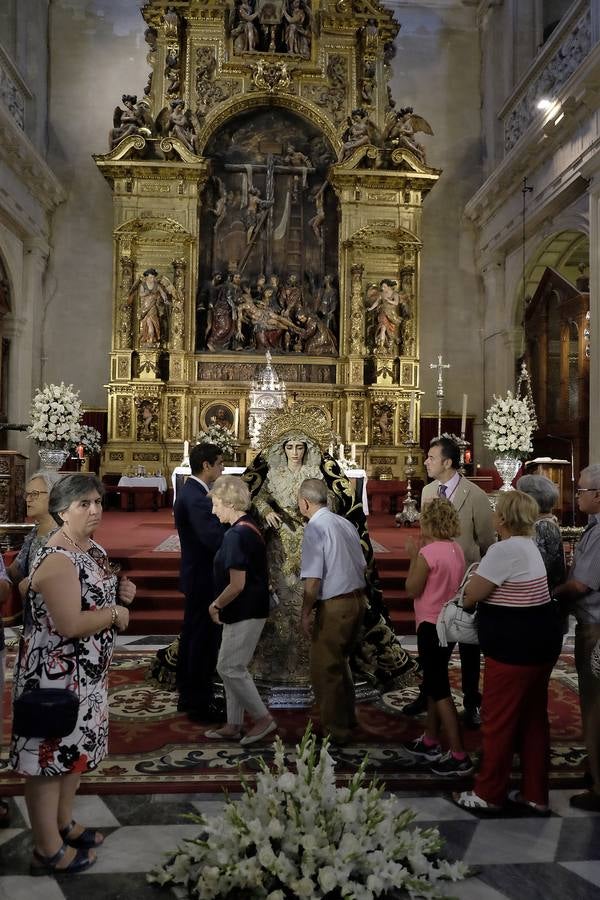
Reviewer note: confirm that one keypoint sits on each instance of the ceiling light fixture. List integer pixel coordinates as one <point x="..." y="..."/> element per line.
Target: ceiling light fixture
<point x="544" y="103"/>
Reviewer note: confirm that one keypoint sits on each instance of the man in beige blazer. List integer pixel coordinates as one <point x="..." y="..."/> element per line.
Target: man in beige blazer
<point x="476" y="535"/>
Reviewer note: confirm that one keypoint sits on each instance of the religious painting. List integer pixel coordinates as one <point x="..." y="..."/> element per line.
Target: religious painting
<point x="147" y="420"/>
<point x="269" y="265"/>
<point x="217" y="414"/>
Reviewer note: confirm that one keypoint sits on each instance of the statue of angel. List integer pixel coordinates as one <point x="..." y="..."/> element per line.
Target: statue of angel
<point x="391" y="311"/>
<point x="401" y="128"/>
<point x="155" y="294"/>
<point x="180" y="125"/>
<point x="134" y="119"/>
<point x="359" y="132"/>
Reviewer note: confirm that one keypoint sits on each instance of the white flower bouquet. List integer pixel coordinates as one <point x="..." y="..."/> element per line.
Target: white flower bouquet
<point x="55" y="416"/>
<point x="221" y="436"/>
<point x="90" y="439"/>
<point x="509" y="426"/>
<point x="298" y="835"/>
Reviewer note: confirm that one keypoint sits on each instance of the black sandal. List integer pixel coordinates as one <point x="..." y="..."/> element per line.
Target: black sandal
<point x="4" y="814"/>
<point x="84" y="841"/>
<point x="47" y="865"/>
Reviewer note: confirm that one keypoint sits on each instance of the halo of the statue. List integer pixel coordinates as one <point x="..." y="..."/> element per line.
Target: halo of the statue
<point x="305" y="419"/>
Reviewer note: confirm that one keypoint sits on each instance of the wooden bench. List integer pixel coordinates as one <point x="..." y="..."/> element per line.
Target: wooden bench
<point x="130" y="494"/>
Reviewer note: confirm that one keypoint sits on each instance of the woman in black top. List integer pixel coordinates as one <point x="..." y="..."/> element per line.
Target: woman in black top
<point x="242" y="607"/>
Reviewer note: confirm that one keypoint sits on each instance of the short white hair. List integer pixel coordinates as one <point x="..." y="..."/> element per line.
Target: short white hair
<point x="592" y="475"/>
<point x="314" y="490"/>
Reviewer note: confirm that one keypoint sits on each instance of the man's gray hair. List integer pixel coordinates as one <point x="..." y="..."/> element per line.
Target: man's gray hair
<point x="314" y="490"/>
<point x="49" y="477"/>
<point x="71" y="488"/>
<point x="543" y="490"/>
<point x="592" y="475"/>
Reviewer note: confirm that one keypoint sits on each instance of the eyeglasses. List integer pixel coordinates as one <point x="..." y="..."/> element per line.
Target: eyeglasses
<point x="33" y="495"/>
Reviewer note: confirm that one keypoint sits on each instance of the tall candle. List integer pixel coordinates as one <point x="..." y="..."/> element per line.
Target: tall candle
<point x="236" y="421"/>
<point x="411" y="415"/>
<point x="341" y="453"/>
<point x="331" y="449"/>
<point x="353" y="451"/>
<point x="195" y="423"/>
<point x="186" y="449"/>
<point x="463" y="421"/>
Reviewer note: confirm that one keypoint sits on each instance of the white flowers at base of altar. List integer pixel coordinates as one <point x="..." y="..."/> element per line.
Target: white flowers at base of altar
<point x="55" y="415"/>
<point x="509" y="426"/>
<point x="296" y="834"/>
<point x="219" y="435"/>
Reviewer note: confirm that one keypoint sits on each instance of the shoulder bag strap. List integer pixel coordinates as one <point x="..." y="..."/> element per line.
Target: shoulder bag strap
<point x="253" y="527"/>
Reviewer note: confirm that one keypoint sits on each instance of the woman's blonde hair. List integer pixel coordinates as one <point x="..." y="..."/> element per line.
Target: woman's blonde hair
<point x="519" y="513"/>
<point x="232" y="491"/>
<point x="440" y="519"/>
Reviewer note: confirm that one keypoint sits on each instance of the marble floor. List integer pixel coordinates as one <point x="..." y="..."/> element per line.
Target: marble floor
<point x="523" y="858"/>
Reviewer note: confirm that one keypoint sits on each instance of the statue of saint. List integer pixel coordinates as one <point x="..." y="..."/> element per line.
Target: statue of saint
<point x="328" y="301"/>
<point x="357" y="134"/>
<point x="297" y="28"/>
<point x="155" y="295"/>
<point x="293" y="446"/>
<point x="181" y="126"/>
<point x="391" y="311"/>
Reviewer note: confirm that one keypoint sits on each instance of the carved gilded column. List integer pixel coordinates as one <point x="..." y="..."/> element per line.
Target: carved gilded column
<point x="356" y="311"/>
<point x="177" y="314"/>
<point x="125" y="334"/>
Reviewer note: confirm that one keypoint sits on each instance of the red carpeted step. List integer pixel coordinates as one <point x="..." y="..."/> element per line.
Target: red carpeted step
<point x="155" y="621"/>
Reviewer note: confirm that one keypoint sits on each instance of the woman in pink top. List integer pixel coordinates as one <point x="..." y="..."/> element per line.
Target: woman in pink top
<point x="435" y="574"/>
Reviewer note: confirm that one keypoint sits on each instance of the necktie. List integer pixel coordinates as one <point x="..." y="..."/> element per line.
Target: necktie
<point x="442" y="490"/>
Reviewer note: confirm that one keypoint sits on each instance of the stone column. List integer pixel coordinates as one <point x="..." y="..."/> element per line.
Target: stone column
<point x="594" y="325"/>
<point x="26" y="367"/>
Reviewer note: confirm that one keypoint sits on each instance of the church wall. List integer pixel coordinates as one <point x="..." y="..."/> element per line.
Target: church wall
<point x="437" y="70"/>
<point x="98" y="53"/>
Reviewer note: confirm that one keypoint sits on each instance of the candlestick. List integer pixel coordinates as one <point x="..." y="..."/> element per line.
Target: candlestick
<point x="463" y="421"/>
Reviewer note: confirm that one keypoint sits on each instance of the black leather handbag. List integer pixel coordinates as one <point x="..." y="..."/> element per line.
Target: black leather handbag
<point x="46" y="712"/>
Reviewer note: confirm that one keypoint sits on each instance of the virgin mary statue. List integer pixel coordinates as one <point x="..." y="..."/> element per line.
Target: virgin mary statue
<point x="293" y="443"/>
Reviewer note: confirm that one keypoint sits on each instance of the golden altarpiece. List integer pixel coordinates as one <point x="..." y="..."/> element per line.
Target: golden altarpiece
<point x="267" y="194"/>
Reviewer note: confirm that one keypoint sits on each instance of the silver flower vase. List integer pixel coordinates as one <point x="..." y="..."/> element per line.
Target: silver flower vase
<point x="52" y="458"/>
<point x="507" y="467"/>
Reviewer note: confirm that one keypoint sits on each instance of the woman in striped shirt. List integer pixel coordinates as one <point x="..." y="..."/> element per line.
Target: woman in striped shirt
<point x="520" y="637"/>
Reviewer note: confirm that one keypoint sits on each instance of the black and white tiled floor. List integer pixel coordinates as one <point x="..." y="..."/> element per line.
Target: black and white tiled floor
<point x="512" y="859"/>
<point x="519" y="859"/>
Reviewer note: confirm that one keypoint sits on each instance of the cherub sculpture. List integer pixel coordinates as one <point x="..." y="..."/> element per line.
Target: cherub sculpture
<point x="401" y="128"/>
<point x="391" y="311"/>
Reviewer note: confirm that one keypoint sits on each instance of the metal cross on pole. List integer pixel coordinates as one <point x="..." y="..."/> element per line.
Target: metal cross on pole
<point x="440" y="366"/>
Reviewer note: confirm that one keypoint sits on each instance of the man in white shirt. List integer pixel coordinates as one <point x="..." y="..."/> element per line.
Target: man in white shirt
<point x="333" y="569"/>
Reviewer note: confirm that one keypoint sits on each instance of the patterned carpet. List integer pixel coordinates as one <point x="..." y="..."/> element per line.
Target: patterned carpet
<point x="155" y="749"/>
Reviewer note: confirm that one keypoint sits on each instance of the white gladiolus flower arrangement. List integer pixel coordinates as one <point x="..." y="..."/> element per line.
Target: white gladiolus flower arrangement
<point x="295" y="834"/>
<point x="222" y="437"/>
<point x="55" y="415"/>
<point x="509" y="426"/>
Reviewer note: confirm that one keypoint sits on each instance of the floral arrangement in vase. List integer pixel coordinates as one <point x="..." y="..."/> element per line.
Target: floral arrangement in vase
<point x="221" y="436"/>
<point x="89" y="438"/>
<point x="509" y="426"/>
<point x="296" y="834"/>
<point x="55" y="416"/>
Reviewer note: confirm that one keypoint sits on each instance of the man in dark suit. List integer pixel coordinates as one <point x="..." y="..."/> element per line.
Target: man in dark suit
<point x="200" y="536"/>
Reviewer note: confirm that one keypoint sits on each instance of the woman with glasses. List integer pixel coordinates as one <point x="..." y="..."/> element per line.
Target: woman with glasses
<point x="36" y="496"/>
<point x="68" y="642"/>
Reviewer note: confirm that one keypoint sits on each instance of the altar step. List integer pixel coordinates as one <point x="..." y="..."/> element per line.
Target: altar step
<point x="158" y="606"/>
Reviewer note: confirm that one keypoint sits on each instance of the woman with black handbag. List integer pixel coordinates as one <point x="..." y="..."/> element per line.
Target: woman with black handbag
<point x="60" y="720"/>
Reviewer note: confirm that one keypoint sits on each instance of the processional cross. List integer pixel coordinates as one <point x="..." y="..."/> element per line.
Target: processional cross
<point x="440" y="366"/>
<point x="266" y="214"/>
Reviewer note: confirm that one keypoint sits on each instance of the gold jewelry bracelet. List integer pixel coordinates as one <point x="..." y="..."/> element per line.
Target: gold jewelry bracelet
<point x="114" y="615"/>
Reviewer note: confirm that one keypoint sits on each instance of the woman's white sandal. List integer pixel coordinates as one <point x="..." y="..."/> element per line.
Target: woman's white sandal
<point x="534" y="809"/>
